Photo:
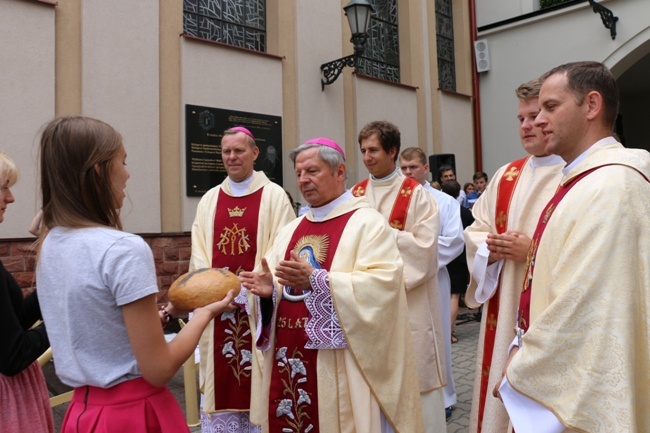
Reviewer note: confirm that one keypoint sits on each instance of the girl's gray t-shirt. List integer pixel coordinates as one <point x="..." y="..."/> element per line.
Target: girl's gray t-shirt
<point x="84" y="276"/>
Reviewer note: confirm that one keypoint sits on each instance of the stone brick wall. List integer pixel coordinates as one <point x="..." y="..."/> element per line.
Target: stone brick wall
<point x="171" y="254"/>
<point x="19" y="259"/>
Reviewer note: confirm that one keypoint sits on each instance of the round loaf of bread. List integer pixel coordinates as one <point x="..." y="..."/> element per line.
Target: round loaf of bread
<point x="202" y="287"/>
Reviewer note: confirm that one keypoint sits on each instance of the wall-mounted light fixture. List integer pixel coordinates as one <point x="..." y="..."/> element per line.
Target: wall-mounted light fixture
<point x="607" y="16"/>
<point x="358" y="13"/>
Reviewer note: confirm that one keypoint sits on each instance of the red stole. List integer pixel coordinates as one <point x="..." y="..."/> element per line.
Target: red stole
<point x="505" y="191"/>
<point x="234" y="247"/>
<point x="397" y="218"/>
<point x="293" y="398"/>
<point x="523" y="315"/>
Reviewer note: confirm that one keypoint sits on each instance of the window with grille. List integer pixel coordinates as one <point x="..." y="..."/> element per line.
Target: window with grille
<point x="445" y="44"/>
<point x="241" y="23"/>
<point x="381" y="55"/>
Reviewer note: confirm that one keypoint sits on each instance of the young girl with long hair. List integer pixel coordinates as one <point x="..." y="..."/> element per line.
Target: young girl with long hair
<point x="97" y="286"/>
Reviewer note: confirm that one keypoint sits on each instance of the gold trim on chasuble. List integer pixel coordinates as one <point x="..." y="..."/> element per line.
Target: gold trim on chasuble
<point x="360" y="189"/>
<point x="398" y="214"/>
<point x="505" y="191"/>
<point x="235" y="228"/>
<point x="234" y="240"/>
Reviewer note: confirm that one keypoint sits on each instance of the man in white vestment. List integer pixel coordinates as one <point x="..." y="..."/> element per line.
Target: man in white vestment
<point x="234" y="227"/>
<point x="584" y="313"/>
<point x="338" y="352"/>
<point x="507" y="212"/>
<point x="413" y="215"/>
<point x="413" y="163"/>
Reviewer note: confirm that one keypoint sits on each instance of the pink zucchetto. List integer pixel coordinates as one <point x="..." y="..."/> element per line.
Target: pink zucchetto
<point x="327" y="143"/>
<point x="242" y="129"/>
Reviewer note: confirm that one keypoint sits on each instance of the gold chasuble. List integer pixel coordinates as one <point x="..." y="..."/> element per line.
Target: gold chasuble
<point x="339" y="356"/>
<point x="586" y="353"/>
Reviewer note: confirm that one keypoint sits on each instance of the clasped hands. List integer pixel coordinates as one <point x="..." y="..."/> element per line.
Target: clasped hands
<point x="510" y="245"/>
<point x="294" y="273"/>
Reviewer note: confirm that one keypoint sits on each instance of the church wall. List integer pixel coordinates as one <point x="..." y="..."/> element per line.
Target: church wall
<point x="524" y="50"/>
<point x="27" y="99"/>
<point x="128" y="63"/>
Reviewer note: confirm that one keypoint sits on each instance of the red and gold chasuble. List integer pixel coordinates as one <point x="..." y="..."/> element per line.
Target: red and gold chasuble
<point x="397" y="218"/>
<point x="505" y="191"/>
<point x="293" y="398"/>
<point x="234" y="247"/>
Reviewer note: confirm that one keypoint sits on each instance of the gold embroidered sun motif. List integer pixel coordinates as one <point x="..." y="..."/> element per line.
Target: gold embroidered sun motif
<point x="313" y="248"/>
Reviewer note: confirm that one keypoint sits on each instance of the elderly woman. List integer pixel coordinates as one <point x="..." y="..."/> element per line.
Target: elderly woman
<point x="25" y="406"/>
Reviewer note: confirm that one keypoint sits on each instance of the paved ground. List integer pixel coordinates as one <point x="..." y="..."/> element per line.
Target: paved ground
<point x="463" y="352"/>
<point x="464" y="359"/>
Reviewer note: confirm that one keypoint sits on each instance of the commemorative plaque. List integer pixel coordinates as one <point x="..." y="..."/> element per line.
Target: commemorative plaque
<point x="204" y="127"/>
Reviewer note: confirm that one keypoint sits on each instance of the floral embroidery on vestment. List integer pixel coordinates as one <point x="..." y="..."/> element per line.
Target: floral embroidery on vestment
<point x="295" y="406"/>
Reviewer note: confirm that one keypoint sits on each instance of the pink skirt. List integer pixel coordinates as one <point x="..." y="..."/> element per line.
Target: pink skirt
<point x="24" y="402"/>
<point x="134" y="406"/>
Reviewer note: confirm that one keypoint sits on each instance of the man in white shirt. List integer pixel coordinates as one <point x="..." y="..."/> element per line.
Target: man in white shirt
<point x="413" y="163"/>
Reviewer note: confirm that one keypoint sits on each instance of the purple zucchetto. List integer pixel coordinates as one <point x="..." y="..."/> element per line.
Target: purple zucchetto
<point x="327" y="143"/>
<point x="242" y="129"/>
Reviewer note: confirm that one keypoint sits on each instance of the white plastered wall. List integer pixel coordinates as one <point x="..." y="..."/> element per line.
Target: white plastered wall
<point x="458" y="133"/>
<point x="318" y="40"/>
<point x="27" y="99"/>
<point x="377" y="101"/>
<point x="320" y="113"/>
<point x="120" y="86"/>
<point x="524" y="50"/>
<point x="492" y="11"/>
